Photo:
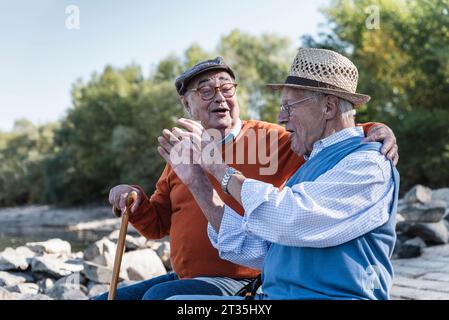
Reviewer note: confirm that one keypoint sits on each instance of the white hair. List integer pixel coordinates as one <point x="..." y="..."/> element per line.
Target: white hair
<point x="346" y="108"/>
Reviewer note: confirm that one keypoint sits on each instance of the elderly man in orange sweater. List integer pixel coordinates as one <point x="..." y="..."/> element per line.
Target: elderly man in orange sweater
<point x="258" y="149"/>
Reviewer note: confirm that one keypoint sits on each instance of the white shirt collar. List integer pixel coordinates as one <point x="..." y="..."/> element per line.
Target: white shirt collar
<point x="335" y="138"/>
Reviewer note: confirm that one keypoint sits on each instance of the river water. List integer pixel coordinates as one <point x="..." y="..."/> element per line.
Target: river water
<point x="20" y="225"/>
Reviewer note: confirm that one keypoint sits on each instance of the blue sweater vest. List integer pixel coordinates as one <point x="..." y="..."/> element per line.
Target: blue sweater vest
<point x="358" y="269"/>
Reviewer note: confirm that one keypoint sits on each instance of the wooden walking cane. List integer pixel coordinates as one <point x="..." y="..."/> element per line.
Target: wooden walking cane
<point x="120" y="245"/>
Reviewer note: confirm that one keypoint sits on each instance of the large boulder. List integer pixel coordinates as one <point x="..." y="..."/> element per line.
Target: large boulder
<point x="432" y="232"/>
<point x="418" y="193"/>
<point x="101" y="274"/>
<point x="25" y="288"/>
<point x="68" y="288"/>
<point x="55" y="265"/>
<point x="45" y="284"/>
<point x="96" y="289"/>
<point x="131" y="243"/>
<point x="65" y="291"/>
<point x="15" y="259"/>
<point x="441" y="194"/>
<point x="10" y="279"/>
<point x="143" y="264"/>
<point x="432" y="211"/>
<point x="164" y="254"/>
<point x="50" y="246"/>
<point x="410" y="248"/>
<point x="6" y="295"/>
<point x="101" y="252"/>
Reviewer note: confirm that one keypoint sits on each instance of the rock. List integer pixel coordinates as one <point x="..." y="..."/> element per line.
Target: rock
<point x="126" y="283"/>
<point x="432" y="211"/>
<point x="15" y="259"/>
<point x="67" y="292"/>
<point x="417" y="241"/>
<point x="409" y="249"/>
<point x="131" y="243"/>
<point x="75" y="279"/>
<point x="6" y="295"/>
<point x="143" y="264"/>
<point x="38" y="296"/>
<point x="50" y="246"/>
<point x="418" y="193"/>
<point x="25" y="288"/>
<point x="402" y="227"/>
<point x="432" y="232"/>
<point x="441" y="194"/>
<point x="77" y="255"/>
<point x="399" y="218"/>
<point x="45" y="284"/>
<point x="68" y="288"/>
<point x="101" y="252"/>
<point x="55" y="266"/>
<point x="101" y="274"/>
<point x="164" y="254"/>
<point x="96" y="289"/>
<point x="152" y="244"/>
<point x="10" y="279"/>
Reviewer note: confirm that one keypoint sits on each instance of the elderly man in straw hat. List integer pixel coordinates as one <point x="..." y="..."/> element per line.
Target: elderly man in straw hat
<point x="330" y="232"/>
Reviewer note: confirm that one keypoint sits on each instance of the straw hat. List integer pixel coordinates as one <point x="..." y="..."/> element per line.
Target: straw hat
<point x="324" y="71"/>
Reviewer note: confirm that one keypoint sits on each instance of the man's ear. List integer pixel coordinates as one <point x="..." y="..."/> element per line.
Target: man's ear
<point x="185" y="104"/>
<point x="331" y="108"/>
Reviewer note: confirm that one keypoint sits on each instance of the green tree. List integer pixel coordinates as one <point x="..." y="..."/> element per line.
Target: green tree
<point x="22" y="154"/>
<point x="404" y="66"/>
<point x="109" y="136"/>
<point x="257" y="60"/>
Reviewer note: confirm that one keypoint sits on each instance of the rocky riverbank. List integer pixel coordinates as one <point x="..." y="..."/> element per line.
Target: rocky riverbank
<point x="422" y="220"/>
<point x="50" y="270"/>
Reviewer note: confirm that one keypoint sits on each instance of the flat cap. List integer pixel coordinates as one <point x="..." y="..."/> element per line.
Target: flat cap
<point x="183" y="80"/>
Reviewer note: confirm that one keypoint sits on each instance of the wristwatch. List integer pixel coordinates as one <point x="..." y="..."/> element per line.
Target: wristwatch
<point x="227" y="176"/>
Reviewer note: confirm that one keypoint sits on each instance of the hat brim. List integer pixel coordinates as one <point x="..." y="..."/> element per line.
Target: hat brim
<point x="210" y="68"/>
<point x="357" y="99"/>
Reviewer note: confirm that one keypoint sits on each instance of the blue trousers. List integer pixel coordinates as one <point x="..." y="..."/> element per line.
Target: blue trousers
<point x="163" y="287"/>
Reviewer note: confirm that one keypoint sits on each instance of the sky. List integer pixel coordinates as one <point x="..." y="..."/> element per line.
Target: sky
<point x="40" y="57"/>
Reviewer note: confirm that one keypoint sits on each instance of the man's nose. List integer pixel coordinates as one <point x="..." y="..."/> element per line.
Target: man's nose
<point x="282" y="117"/>
<point x="219" y="96"/>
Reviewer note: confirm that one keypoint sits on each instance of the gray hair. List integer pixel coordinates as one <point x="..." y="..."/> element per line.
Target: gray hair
<point x="346" y="108"/>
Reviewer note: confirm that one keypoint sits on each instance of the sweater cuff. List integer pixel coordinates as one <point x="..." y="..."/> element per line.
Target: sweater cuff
<point x="144" y="206"/>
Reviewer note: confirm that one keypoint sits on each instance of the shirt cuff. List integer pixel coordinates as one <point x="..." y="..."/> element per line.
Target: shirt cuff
<point x="213" y="236"/>
<point x="253" y="194"/>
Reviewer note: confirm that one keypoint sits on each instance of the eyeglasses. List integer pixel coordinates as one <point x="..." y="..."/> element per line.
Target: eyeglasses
<point x="207" y="93"/>
<point x="288" y="107"/>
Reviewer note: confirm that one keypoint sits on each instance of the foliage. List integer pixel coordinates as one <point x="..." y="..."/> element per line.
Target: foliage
<point x="404" y="65"/>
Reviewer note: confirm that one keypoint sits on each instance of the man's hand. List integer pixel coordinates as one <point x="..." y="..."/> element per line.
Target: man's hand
<point x="118" y="196"/>
<point x="207" y="153"/>
<point x="384" y="134"/>
<point x="182" y="152"/>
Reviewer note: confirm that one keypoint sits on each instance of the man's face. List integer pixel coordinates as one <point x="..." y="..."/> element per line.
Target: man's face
<point x="219" y="113"/>
<point x="306" y="122"/>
